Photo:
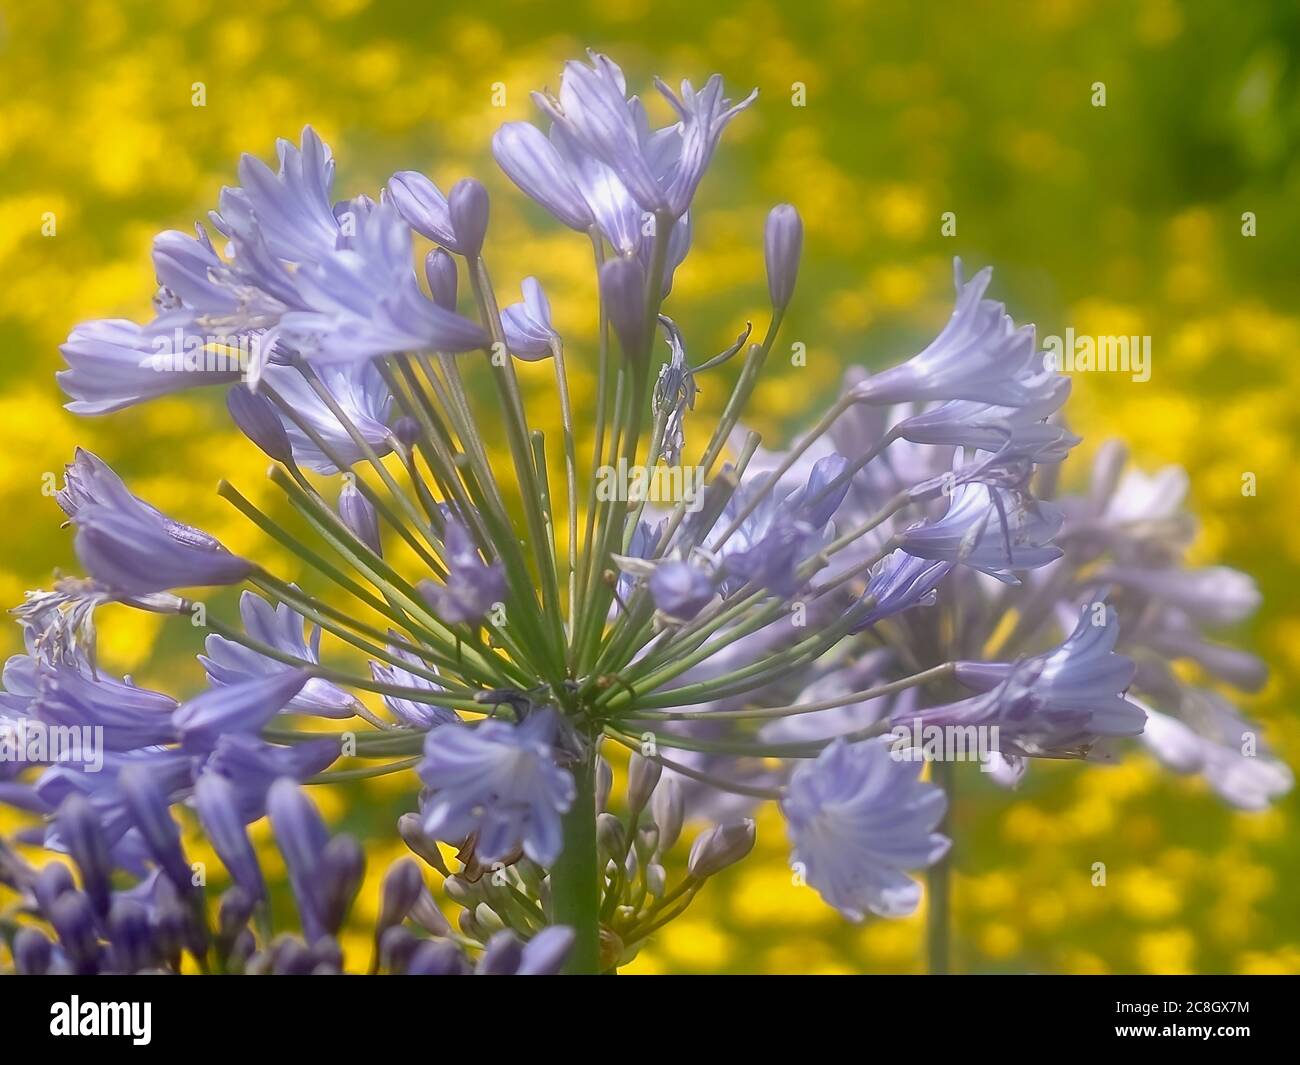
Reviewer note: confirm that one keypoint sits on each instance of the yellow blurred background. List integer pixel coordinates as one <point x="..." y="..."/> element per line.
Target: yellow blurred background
<point x="121" y="119"/>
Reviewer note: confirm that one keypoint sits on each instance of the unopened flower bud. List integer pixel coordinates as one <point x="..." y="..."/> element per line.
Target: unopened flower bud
<point x="546" y="952"/>
<point x="783" y="244"/>
<point x="290" y="958"/>
<point x="342" y="869"/>
<point x="73" y="918"/>
<point x="609" y="836"/>
<point x="189" y="921"/>
<point x="327" y="953"/>
<point x="436" y="958"/>
<point x="244" y="947"/>
<point x="622" y="287"/>
<point x="502" y="957"/>
<point x="469" y="925"/>
<point x="428" y="916"/>
<point x="359" y="516"/>
<point x="669" y="812"/>
<point x="232" y="916"/>
<point x="462" y="892"/>
<point x="440" y="272"/>
<point x="258" y="419"/>
<point x="32" y="951"/>
<point x="396" y="945"/>
<point x="719" y="847"/>
<point x="468" y="207"/>
<point x="402" y="886"/>
<point x="407" y="431"/>
<point x="642" y="777"/>
<point x="83" y="835"/>
<point x="646" y="842"/>
<point x="410" y="826"/>
<point x="131" y="936"/>
<point x="153" y="819"/>
<point x="488" y="919"/>
<point x="51" y="882"/>
<point x="604" y="783"/>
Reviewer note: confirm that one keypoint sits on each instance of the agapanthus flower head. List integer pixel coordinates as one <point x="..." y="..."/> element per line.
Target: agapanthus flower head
<point x="481" y="613"/>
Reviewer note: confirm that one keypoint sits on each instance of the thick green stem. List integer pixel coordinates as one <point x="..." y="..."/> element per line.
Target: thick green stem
<point x="575" y="885"/>
<point x="939" y="882"/>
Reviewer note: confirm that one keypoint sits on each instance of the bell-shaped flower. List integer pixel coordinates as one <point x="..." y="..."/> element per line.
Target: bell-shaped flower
<point x="1060" y="704"/>
<point x="473" y="586"/>
<point x="1215" y="595"/>
<point x="991" y="529"/>
<point x="132" y="547"/>
<point x="500" y="784"/>
<point x="1022" y="430"/>
<point x="246" y="706"/>
<point x="364" y="300"/>
<point x="279" y="627"/>
<point x="1082" y="674"/>
<point x="360" y="392"/>
<point x="115" y="363"/>
<point x="858" y="818"/>
<point x="783" y="532"/>
<point x="76" y="696"/>
<point x="1222" y="747"/>
<point x="527" y="325"/>
<point x="979" y="356"/>
<point x="900" y="582"/>
<point x="290" y="208"/>
<point x="410" y="710"/>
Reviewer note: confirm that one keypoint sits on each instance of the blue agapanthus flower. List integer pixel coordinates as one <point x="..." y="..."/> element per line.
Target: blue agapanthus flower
<point x="500" y="785"/>
<point x="858" y="819"/>
<point x="483" y="611"/>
